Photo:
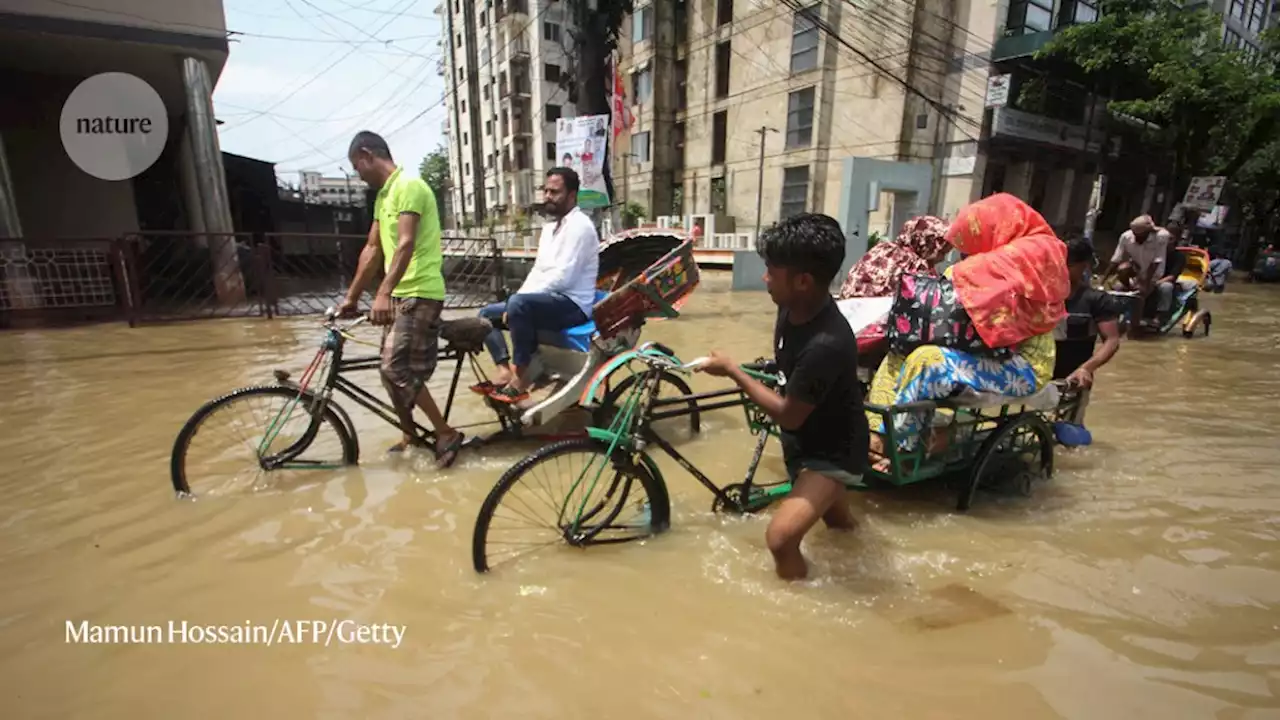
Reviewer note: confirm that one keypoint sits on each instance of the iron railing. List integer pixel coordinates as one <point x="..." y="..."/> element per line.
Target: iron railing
<point x="155" y="277"/>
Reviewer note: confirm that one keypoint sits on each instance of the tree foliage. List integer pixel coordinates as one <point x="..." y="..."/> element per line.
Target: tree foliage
<point x="435" y="173"/>
<point x="1216" y="108"/>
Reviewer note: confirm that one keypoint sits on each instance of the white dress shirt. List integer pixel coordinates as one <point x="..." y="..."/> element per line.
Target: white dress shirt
<point x="1146" y="254"/>
<point x="567" y="261"/>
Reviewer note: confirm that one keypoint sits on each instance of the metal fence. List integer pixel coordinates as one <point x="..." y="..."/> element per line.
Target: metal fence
<point x="154" y="277"/>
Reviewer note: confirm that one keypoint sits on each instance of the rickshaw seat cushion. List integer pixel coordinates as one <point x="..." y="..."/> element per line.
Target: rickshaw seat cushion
<point x="1045" y="398"/>
<point x="577" y="338"/>
<point x="465" y="334"/>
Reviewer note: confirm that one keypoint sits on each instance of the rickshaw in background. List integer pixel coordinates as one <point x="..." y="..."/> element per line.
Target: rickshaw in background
<point x="1267" y="267"/>
<point x="643" y="274"/>
<point x="1187" y="311"/>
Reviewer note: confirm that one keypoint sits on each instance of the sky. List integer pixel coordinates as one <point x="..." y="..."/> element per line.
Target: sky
<point x="303" y="76"/>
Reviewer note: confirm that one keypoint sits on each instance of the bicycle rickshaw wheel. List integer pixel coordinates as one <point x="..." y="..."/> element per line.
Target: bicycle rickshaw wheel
<point x="344" y="451"/>
<point x="621" y="515"/>
<point x="1017" y="443"/>
<point x="606" y="411"/>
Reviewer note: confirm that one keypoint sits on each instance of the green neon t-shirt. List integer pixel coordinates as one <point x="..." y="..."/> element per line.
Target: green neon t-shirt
<point x="407" y="193"/>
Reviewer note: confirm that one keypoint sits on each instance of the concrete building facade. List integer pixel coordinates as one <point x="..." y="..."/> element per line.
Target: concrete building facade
<point x="506" y="76"/>
<point x="747" y="112"/>
<point x="320" y="190"/>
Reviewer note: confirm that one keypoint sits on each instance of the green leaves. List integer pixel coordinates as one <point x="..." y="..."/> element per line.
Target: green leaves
<point x="434" y="171"/>
<point x="1159" y="62"/>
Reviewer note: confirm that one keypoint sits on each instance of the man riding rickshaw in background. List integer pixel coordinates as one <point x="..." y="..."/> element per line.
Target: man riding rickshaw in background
<point x="1138" y="263"/>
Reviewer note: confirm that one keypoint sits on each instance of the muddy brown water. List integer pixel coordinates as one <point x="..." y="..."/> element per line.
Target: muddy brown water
<point x="1143" y="581"/>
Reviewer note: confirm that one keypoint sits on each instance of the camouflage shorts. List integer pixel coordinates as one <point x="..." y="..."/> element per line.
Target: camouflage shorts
<point x="410" y="345"/>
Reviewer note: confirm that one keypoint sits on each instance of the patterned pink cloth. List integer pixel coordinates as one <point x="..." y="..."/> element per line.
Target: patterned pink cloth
<point x="920" y="244"/>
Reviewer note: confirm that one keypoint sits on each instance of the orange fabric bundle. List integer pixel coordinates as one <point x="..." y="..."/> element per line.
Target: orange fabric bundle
<point x="1014" y="281"/>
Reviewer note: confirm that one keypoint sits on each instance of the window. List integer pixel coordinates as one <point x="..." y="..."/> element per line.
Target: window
<point x="719" y="136"/>
<point x="465" y="142"/>
<point x="719" y="195"/>
<point x="484" y="18"/>
<point x="458" y="44"/>
<point x="800" y="118"/>
<point x="467" y="170"/>
<point x="488" y="127"/>
<point x="462" y="76"/>
<point x="1257" y="16"/>
<point x="723" y="53"/>
<point x="551" y="113"/>
<point x="1029" y="16"/>
<point x="485" y="92"/>
<point x="462" y="105"/>
<point x="804" y="40"/>
<point x="551" y="73"/>
<point x="640" y="146"/>
<point x="1233" y="40"/>
<point x="677" y="136"/>
<point x="551" y="151"/>
<point x="642" y="24"/>
<point x="682" y="22"/>
<point x="642" y="86"/>
<point x="795" y="191"/>
<point x="1077" y="12"/>
<point x="1237" y="9"/>
<point x="724" y="12"/>
<point x="550" y="31"/>
<point x="682" y="84"/>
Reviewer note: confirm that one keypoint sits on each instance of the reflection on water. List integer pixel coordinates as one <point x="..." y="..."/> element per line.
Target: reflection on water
<point x="1142" y="582"/>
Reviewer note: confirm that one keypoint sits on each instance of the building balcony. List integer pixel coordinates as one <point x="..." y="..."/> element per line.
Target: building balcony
<point x="518" y="86"/>
<point x="511" y="9"/>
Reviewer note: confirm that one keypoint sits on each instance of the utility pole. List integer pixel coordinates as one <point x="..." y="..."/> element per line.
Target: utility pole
<point x="764" y="130"/>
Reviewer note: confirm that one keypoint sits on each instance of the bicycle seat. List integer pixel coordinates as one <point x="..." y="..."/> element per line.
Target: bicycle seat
<point x="577" y="338"/>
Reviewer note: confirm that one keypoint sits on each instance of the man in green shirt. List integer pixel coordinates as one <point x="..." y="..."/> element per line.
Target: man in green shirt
<point x="405" y="234"/>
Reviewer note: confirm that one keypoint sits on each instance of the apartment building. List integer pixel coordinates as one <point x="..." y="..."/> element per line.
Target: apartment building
<point x="507" y="84"/>
<point x="746" y="113"/>
<point x="1243" y="21"/>
<point x="320" y="190"/>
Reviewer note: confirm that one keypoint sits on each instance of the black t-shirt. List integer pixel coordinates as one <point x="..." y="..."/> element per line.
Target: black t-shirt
<point x="818" y="364"/>
<point x="1077" y="334"/>
<point x="1174" y="263"/>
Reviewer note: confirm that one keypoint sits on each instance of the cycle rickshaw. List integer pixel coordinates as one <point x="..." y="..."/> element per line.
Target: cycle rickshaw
<point x="644" y="273"/>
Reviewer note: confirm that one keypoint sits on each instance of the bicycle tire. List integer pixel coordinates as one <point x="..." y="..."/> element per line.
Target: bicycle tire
<point x="603" y="415"/>
<point x="177" y="458"/>
<point x="654" y="488"/>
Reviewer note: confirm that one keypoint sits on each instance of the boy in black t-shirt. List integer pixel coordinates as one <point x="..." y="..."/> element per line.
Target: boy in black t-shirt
<point x="1090" y="313"/>
<point x="819" y="410"/>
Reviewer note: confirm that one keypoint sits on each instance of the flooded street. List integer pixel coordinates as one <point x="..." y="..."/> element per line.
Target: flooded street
<point x="1143" y="581"/>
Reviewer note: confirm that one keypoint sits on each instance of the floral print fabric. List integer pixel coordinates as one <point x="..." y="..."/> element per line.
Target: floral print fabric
<point x="877" y="273"/>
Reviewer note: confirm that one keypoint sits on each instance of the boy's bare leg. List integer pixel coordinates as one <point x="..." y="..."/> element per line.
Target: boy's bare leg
<point x="839" y="516"/>
<point x="812" y="496"/>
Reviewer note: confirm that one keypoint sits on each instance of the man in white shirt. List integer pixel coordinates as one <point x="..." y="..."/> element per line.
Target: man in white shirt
<point x="1137" y="262"/>
<point x="558" y="293"/>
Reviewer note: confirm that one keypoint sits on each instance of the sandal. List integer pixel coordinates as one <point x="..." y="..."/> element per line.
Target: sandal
<point x="449" y="455"/>
<point x="484" y="387"/>
<point x="509" y="395"/>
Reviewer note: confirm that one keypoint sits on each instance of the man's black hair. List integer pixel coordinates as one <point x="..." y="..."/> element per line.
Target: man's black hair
<point x="809" y="242"/>
<point x="1078" y="251"/>
<point x="569" y="177"/>
<point x="371" y="141"/>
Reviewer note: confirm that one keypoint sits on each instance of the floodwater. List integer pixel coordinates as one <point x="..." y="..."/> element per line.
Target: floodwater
<point x="1143" y="581"/>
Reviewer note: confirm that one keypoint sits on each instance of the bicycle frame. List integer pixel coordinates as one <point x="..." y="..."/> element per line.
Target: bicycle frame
<point x="632" y="431"/>
<point x="332" y="347"/>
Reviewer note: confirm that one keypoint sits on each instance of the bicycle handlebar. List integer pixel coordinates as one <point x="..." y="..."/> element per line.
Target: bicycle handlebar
<point x="331" y="320"/>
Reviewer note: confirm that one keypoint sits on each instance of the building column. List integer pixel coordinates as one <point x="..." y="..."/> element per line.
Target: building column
<point x="10" y="225"/>
<point x="211" y="181"/>
<point x="13" y="255"/>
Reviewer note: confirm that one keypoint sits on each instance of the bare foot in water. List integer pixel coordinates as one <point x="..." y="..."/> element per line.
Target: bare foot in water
<point x="879" y="462"/>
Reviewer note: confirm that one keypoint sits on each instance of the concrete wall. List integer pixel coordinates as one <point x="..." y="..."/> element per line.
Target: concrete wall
<point x="54" y="197"/>
<point x="194" y="17"/>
